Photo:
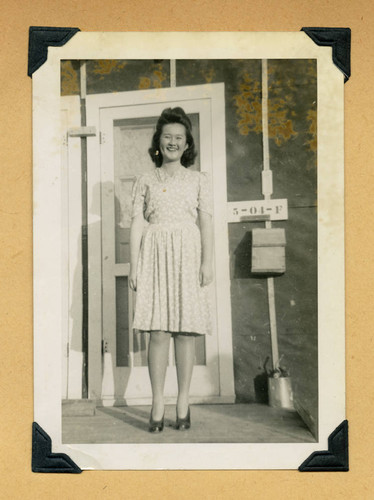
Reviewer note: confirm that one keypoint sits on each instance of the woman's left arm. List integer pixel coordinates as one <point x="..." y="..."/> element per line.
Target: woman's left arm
<point x="206" y="229"/>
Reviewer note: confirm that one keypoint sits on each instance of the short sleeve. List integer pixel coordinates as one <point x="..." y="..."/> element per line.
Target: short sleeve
<point x="205" y="201"/>
<point x="138" y="196"/>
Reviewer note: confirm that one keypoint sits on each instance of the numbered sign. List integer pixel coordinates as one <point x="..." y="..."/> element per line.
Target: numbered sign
<point x="257" y="210"/>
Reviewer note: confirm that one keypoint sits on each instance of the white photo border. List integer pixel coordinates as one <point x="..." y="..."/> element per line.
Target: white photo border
<point x="48" y="243"/>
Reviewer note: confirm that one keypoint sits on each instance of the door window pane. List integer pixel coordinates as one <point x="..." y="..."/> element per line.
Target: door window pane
<point x="122" y="322"/>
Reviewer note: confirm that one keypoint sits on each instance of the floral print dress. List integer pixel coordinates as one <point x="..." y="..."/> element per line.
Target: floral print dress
<point x="169" y="296"/>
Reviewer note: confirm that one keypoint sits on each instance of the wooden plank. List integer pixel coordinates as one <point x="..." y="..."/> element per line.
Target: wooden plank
<point x="82" y="131"/>
<point x="173" y="73"/>
<point x="274" y="237"/>
<point x="268" y="260"/>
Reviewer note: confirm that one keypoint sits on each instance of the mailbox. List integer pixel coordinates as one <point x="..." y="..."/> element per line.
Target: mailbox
<point x="268" y="251"/>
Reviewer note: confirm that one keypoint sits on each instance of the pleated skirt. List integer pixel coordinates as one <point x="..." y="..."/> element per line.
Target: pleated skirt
<point x="169" y="296"/>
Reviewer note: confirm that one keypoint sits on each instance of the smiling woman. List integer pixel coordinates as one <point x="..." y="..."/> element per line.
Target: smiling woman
<point x="175" y="126"/>
<point x="171" y="263"/>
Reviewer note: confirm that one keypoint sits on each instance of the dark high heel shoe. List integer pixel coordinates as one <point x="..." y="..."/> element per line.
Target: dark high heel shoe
<point x="184" y="423"/>
<point x="156" y="425"/>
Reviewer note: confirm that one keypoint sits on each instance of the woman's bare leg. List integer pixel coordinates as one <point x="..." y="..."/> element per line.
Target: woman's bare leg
<point x="184" y="358"/>
<point x="158" y="354"/>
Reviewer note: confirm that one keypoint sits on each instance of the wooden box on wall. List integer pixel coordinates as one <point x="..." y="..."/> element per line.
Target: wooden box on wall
<point x="268" y="251"/>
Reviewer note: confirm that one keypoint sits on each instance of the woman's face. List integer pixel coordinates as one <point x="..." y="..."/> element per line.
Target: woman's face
<point x="173" y="142"/>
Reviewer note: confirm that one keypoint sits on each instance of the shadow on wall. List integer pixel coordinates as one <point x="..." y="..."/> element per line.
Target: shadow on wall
<point x="253" y="344"/>
<point x="260" y="383"/>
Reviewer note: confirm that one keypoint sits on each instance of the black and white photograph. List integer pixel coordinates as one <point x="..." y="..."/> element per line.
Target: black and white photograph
<point x="188" y="193"/>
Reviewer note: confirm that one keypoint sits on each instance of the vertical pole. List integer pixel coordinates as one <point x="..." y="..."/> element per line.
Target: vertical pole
<point x="83" y="91"/>
<point x="173" y="73"/>
<point x="267" y="190"/>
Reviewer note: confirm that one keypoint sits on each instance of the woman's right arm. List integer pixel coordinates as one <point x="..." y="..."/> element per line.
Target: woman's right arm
<point x="136" y="231"/>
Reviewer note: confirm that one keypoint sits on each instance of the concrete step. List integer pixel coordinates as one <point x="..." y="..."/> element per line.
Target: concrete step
<point x="229" y="423"/>
<point x="78" y="408"/>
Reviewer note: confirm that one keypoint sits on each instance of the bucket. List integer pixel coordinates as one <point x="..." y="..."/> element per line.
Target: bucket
<point x="280" y="392"/>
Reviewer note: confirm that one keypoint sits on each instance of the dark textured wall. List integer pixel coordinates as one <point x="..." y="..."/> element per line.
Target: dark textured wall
<point x="292" y="132"/>
<point x="293" y="148"/>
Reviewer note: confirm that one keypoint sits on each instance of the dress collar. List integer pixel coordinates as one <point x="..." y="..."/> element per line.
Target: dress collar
<point x="164" y="176"/>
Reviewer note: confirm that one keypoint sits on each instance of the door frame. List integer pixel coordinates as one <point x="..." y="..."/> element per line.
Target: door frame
<point x="96" y="102"/>
<point x="71" y="224"/>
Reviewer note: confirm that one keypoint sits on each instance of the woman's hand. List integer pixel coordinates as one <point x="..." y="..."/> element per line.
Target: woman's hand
<point x="206" y="274"/>
<point x="206" y="230"/>
<point x="132" y="279"/>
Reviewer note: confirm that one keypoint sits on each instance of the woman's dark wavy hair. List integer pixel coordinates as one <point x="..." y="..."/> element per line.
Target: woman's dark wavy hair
<point x="173" y="115"/>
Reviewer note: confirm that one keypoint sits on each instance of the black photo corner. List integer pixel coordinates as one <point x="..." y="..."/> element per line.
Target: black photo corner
<point x="43" y="460"/>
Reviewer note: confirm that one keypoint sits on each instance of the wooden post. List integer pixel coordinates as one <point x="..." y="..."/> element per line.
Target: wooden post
<point x="173" y="73"/>
<point x="267" y="190"/>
